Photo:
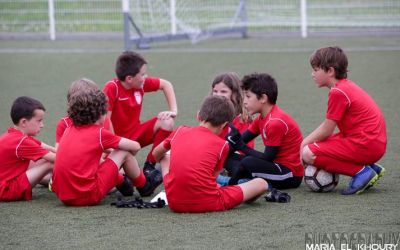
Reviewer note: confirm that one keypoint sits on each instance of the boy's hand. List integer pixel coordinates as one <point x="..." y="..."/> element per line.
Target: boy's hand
<point x="166" y="115"/>
<point x="235" y="138"/>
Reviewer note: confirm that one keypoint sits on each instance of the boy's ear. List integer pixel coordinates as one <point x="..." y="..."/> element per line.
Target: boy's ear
<point x="331" y="71"/>
<point x="22" y="122"/>
<point x="264" y="98"/>
<point x="197" y="116"/>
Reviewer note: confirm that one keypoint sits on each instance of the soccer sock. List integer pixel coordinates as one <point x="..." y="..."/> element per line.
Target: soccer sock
<point x="159" y="136"/>
<point x="139" y="180"/>
<point x="120" y="179"/>
<point x="337" y="166"/>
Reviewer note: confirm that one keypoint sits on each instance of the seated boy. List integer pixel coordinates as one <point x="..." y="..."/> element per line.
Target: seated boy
<point x="125" y="98"/>
<point x="279" y="164"/>
<point x="361" y="140"/>
<point x="196" y="158"/>
<point x="79" y="179"/>
<point x="24" y="161"/>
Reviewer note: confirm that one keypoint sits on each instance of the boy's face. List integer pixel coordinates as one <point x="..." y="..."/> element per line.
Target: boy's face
<point x="252" y="103"/>
<point x="33" y="126"/>
<point x="137" y="81"/>
<point x="320" y="77"/>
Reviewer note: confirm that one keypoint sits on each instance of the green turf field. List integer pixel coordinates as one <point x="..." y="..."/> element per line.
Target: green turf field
<point x="44" y="70"/>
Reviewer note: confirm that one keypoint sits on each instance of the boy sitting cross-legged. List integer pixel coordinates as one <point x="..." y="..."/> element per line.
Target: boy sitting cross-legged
<point x="79" y="179"/>
<point x="196" y="158"/>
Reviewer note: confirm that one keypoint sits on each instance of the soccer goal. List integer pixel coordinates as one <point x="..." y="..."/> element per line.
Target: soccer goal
<point x="147" y="21"/>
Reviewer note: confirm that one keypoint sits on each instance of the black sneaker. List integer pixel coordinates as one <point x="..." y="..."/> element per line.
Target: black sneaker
<point x="126" y="187"/>
<point x="148" y="167"/>
<point x="277" y="196"/>
<point x="153" y="180"/>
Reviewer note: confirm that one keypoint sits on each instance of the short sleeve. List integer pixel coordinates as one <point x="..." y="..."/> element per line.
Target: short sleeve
<point x="337" y="104"/>
<point x="111" y="90"/>
<point x="62" y="124"/>
<point x="151" y="84"/>
<point x="108" y="139"/>
<point x="275" y="132"/>
<point x="30" y="149"/>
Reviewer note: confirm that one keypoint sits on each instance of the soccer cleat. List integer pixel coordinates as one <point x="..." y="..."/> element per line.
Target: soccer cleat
<point x="277" y="196"/>
<point x="223" y="180"/>
<point x="380" y="171"/>
<point x="125" y="188"/>
<point x="148" y="167"/>
<point x="365" y="178"/>
<point x="153" y="180"/>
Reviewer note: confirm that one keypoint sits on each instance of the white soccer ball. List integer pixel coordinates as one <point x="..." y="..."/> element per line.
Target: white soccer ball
<point x="318" y="180"/>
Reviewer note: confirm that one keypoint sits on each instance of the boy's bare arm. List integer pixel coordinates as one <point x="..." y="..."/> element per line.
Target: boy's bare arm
<point x="132" y="146"/>
<point x="169" y="93"/>
<point x="321" y="133"/>
<point x="50" y="156"/>
<point x="159" y="152"/>
<point x="48" y="147"/>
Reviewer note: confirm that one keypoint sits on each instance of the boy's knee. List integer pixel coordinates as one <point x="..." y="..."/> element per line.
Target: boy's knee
<point x="167" y="124"/>
<point x="307" y="155"/>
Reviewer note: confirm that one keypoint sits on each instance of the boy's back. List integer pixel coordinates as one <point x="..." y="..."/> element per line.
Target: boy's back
<point x="78" y="157"/>
<point x="196" y="155"/>
<point x="356" y="113"/>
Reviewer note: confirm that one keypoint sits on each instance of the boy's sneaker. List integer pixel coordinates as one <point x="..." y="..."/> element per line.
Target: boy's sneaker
<point x="379" y="170"/>
<point x="361" y="181"/>
<point x="277" y="196"/>
<point x="125" y="188"/>
<point x="148" y="167"/>
<point x="153" y="180"/>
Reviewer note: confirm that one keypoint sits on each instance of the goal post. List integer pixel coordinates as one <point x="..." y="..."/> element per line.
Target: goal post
<point x="147" y="21"/>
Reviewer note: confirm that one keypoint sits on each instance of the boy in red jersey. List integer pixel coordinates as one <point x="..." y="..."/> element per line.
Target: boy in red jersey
<point x="24" y="161"/>
<point x="197" y="156"/>
<point x="361" y="140"/>
<point x="79" y="179"/>
<point x="125" y="97"/>
<point x="279" y="164"/>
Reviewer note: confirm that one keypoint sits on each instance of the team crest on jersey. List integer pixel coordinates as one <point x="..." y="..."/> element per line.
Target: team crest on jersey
<point x="138" y="97"/>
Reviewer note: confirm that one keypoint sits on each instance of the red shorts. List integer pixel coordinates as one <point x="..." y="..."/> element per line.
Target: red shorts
<point x="16" y="189"/>
<point x="229" y="197"/>
<point x="344" y="149"/>
<point x="144" y="133"/>
<point x="106" y="179"/>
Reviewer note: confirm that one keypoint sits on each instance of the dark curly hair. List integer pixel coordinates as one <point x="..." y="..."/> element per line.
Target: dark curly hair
<point x="259" y="84"/>
<point x="87" y="107"/>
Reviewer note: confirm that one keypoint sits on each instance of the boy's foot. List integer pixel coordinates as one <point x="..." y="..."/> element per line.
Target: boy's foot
<point x="223" y="180"/>
<point x="50" y="185"/>
<point x="125" y="188"/>
<point x="379" y="170"/>
<point x="153" y="180"/>
<point x="361" y="181"/>
<point x="277" y="196"/>
<point x="148" y="167"/>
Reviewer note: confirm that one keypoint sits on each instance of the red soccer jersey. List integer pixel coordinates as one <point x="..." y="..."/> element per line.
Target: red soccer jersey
<point x="77" y="159"/>
<point x="126" y="104"/>
<point x="241" y="126"/>
<point x="356" y="113"/>
<point x="196" y="156"/>
<point x="280" y="129"/>
<point x="66" y="122"/>
<point x="16" y="151"/>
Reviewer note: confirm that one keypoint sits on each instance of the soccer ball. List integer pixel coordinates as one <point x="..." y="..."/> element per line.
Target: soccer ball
<point x="318" y="180"/>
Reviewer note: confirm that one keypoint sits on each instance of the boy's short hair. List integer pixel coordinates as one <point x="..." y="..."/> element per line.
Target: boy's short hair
<point x="24" y="107"/>
<point x="259" y="84"/>
<point x="216" y="110"/>
<point x="82" y="84"/>
<point x="327" y="57"/>
<point x="87" y="107"/>
<point x="128" y="64"/>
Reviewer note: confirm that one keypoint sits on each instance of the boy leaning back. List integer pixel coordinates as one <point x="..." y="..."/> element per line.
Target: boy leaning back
<point x="125" y="98"/>
<point x="24" y="161"/>
<point x="196" y="158"/>
<point x="361" y="140"/>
